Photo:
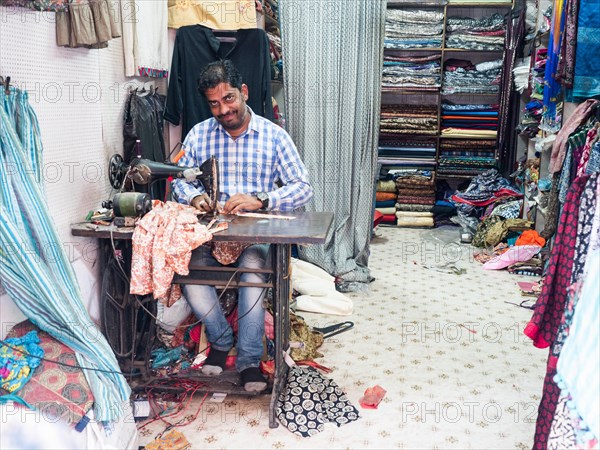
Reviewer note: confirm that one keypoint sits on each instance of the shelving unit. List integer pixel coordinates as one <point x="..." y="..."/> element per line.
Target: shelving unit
<point x="414" y="97"/>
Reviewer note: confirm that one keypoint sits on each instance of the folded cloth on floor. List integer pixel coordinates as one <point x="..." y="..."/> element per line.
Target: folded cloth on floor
<point x="512" y="256"/>
<point x="317" y="290"/>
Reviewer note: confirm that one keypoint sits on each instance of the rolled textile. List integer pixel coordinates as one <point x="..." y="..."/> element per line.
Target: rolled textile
<point x="414" y="221"/>
<point x="385" y="196"/>
<point x="386" y="186"/>
<point x="386" y="211"/>
<point x="385" y="204"/>
<point x="413" y="214"/>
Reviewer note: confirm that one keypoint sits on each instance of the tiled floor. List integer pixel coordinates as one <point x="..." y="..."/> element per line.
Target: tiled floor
<point x="446" y="347"/>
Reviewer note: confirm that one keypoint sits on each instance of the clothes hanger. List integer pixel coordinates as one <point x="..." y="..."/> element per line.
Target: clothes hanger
<point x="6" y="83"/>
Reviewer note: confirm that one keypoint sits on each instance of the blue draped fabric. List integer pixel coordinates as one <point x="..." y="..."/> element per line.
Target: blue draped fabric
<point x="586" y="83"/>
<point x="35" y="271"/>
<point x="551" y="120"/>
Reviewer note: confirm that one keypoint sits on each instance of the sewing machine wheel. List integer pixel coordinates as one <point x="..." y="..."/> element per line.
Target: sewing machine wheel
<point x="116" y="171"/>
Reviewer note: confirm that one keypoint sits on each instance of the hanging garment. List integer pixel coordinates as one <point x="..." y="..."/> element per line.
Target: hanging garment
<point x="587" y="64"/>
<point x="550" y="305"/>
<point x="221" y="15"/>
<point x="87" y="23"/>
<point x="38" y="5"/>
<point x="145" y="38"/>
<point x="195" y="47"/>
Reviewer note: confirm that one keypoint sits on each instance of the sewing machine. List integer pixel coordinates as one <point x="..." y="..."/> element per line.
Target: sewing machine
<point x="143" y="171"/>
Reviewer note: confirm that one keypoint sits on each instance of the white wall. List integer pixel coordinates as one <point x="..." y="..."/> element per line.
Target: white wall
<point x="78" y="95"/>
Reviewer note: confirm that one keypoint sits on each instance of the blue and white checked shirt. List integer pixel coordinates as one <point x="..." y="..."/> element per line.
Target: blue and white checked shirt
<point x="253" y="163"/>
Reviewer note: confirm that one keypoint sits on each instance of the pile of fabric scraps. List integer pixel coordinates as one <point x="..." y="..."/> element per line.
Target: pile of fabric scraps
<point x="163" y="241"/>
<point x="484" y="189"/>
<point x="468" y="118"/>
<point x="18" y="364"/>
<point x="463" y="77"/>
<point x="485" y="33"/>
<point x="411" y="72"/>
<point x="416" y="198"/>
<point x="413" y="28"/>
<point x="171" y="440"/>
<point x="530" y="288"/>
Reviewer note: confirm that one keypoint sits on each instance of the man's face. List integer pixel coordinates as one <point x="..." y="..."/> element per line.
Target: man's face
<point x="228" y="105"/>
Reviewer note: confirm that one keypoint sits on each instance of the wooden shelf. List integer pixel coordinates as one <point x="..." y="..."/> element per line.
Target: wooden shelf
<point x="422" y="49"/>
<point x="478" y="138"/>
<point x="472" y="50"/>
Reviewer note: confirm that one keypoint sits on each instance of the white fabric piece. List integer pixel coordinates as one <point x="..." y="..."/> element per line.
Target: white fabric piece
<point x="171" y="317"/>
<point x="145" y="37"/>
<point x="22" y="428"/>
<point x="318" y="290"/>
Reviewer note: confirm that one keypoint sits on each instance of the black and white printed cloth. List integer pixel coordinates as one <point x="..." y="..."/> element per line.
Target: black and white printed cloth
<point x="311" y="400"/>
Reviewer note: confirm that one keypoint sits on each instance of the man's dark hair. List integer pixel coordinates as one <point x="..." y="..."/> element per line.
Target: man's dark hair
<point x="219" y="72"/>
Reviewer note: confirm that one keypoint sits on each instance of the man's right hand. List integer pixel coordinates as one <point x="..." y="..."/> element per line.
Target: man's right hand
<point x="202" y="203"/>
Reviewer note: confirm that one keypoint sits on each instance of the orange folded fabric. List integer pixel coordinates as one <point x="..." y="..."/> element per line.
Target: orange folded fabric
<point x="385" y="196"/>
<point x="530" y="237"/>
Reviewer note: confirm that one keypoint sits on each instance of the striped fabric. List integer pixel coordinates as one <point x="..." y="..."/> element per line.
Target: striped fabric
<point x="35" y="270"/>
<point x="252" y="163"/>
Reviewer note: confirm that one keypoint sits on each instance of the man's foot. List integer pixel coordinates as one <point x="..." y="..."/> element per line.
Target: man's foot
<point x="253" y="380"/>
<point x="215" y="363"/>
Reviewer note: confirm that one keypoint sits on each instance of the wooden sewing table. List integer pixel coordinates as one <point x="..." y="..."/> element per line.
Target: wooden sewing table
<point x="124" y="315"/>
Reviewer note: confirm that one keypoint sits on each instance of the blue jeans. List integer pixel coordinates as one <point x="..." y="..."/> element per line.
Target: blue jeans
<point x="251" y="326"/>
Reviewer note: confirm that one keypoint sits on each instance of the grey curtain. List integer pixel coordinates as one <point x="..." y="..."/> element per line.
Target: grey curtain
<point x="332" y="59"/>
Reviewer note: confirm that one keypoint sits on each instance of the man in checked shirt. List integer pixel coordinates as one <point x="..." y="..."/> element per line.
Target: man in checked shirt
<point x="259" y="168"/>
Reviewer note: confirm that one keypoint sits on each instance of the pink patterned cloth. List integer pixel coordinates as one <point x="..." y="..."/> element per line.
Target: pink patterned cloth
<point x="587" y="150"/>
<point x="163" y="241"/>
<point x="580" y="115"/>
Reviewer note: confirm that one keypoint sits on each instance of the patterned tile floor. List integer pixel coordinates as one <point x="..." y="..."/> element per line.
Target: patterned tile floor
<point x="448" y="350"/>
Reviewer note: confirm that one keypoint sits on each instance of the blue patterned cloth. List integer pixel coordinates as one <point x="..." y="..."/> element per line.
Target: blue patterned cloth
<point x="577" y="368"/>
<point x="586" y="83"/>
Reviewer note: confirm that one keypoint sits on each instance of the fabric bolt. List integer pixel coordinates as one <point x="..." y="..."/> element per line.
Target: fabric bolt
<point x="549" y="307"/>
<point x="579" y="359"/>
<point x="44" y="286"/>
<point x="269" y="155"/>
<point x="195" y="47"/>
<point x="385" y="196"/>
<point x="163" y="241"/>
<point x="146" y="53"/>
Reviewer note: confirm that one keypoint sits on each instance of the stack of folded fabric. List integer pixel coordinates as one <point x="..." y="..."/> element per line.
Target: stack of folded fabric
<point x="422" y="73"/>
<point x="532" y="115"/>
<point x="469" y="118"/>
<point x="408" y="119"/>
<point x="466" y="157"/>
<point x="385" y="200"/>
<point x="416" y="198"/>
<point x="463" y="77"/>
<point x="413" y="28"/>
<point x="486" y="33"/>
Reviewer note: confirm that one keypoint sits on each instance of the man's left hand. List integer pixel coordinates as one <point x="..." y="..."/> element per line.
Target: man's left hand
<point x="241" y="202"/>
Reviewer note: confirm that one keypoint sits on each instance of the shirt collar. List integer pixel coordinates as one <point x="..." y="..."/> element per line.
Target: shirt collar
<point x="253" y="125"/>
